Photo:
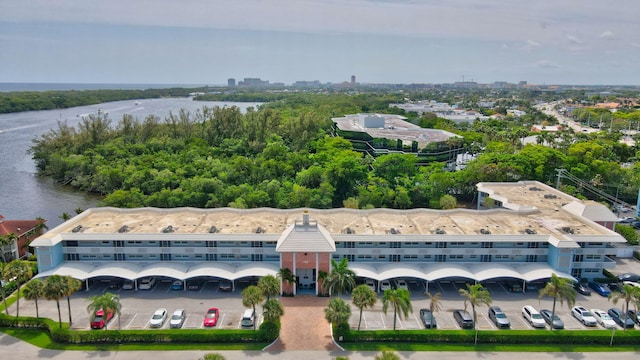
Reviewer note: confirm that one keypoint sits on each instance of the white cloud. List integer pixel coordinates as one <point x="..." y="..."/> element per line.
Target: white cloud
<point x="530" y="45"/>
<point x="546" y="64"/>
<point x="607" y="35"/>
<point x="574" y="40"/>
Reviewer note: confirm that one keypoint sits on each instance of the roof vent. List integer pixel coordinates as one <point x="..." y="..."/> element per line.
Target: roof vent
<point x="485" y="231"/>
<point x="535" y="188"/>
<point x="440" y="231"/>
<point x="394" y="231"/>
<point x="550" y="196"/>
<point x="123" y="229"/>
<point x="77" y="229"/>
<point x="259" y="230"/>
<point x="168" y="229"/>
<point x="349" y="231"/>
<point x="530" y="231"/>
<point x="567" y="229"/>
<point x="213" y="229"/>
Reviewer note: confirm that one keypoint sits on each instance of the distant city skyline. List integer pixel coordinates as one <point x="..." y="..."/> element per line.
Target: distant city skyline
<point x="380" y="41"/>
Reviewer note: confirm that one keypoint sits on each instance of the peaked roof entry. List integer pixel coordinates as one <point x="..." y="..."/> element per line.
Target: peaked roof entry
<point x="306" y="236"/>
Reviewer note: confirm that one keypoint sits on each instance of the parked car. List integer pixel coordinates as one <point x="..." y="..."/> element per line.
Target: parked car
<point x="582" y="288"/>
<point x="225" y="285"/>
<point x="636" y="224"/>
<point x="584" y="316"/>
<point x="603" y="319"/>
<point x="499" y="318"/>
<point x="635" y="315"/>
<point x="557" y="323"/>
<point x="177" y="285"/>
<point x="371" y="284"/>
<point x="428" y="319"/>
<point x="211" y="317"/>
<point x="100" y="319"/>
<point x="128" y="285"/>
<point x="532" y="315"/>
<point x="601" y="289"/>
<point x="158" y="318"/>
<point x="177" y="319"/>
<point x="513" y="286"/>
<point x="626" y="221"/>
<point x="146" y="283"/>
<point x="617" y="314"/>
<point x="629" y="277"/>
<point x="115" y="284"/>
<point x="384" y="285"/>
<point x="401" y="284"/>
<point x="194" y="284"/>
<point x="248" y="318"/>
<point x="463" y="318"/>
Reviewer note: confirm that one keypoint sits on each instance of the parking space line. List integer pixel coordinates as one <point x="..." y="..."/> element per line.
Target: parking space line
<point x="221" y="320"/>
<point x="133" y="318"/>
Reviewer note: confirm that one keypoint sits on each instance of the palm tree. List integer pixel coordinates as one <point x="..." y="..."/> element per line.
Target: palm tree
<point x="65" y="216"/>
<point x="5" y="240"/>
<point x="559" y="289"/>
<point x="269" y="285"/>
<point x="55" y="288"/>
<point x="74" y="285"/>
<point x="475" y="295"/>
<point x="286" y="276"/>
<point x="387" y="355"/>
<point x="212" y="356"/>
<point x="20" y="271"/>
<point x="627" y="294"/>
<point x="363" y="297"/>
<point x="323" y="277"/>
<point x="252" y="296"/>
<point x="33" y="290"/>
<point x="434" y="304"/>
<point x="400" y="299"/>
<point x="272" y="310"/>
<point x="337" y="311"/>
<point x="341" y="279"/>
<point x="105" y="302"/>
<point x="3" y="265"/>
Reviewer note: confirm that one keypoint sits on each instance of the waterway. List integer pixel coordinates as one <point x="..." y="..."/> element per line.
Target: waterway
<point x="23" y="194"/>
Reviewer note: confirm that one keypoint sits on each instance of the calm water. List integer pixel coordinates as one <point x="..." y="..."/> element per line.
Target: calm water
<point x="23" y="194"/>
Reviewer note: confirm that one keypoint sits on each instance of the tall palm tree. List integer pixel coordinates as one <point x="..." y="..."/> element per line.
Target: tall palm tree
<point x="627" y="294"/>
<point x="337" y="312"/>
<point x="272" y="310"/>
<point x="269" y="285"/>
<point x="252" y="296"/>
<point x="3" y="265"/>
<point x="105" y="302"/>
<point x="65" y="216"/>
<point x="400" y="299"/>
<point x="5" y="240"/>
<point x="322" y="278"/>
<point x="475" y="295"/>
<point x="74" y="285"/>
<point x="559" y="289"/>
<point x="363" y="297"/>
<point x="20" y="271"/>
<point x="55" y="288"/>
<point x="287" y="277"/>
<point x="33" y="290"/>
<point x="341" y="279"/>
<point x="435" y="304"/>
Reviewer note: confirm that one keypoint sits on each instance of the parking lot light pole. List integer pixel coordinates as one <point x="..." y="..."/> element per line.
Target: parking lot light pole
<point x="613" y="332"/>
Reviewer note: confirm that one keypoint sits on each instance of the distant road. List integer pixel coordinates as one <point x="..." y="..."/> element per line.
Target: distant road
<point x="548" y="109"/>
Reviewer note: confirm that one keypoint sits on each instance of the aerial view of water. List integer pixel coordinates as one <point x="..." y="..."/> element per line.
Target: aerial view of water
<point x="23" y="194"/>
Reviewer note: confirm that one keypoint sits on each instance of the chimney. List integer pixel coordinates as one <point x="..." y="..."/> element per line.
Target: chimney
<point x="305" y="218"/>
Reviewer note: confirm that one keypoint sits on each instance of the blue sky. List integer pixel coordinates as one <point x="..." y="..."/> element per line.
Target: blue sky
<point x="390" y="41"/>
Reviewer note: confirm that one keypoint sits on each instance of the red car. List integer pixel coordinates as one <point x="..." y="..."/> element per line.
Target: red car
<point x="211" y="318"/>
<point x="100" y="320"/>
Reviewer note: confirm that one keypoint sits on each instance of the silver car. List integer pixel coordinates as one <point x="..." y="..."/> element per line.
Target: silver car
<point x="177" y="319"/>
<point x="158" y="318"/>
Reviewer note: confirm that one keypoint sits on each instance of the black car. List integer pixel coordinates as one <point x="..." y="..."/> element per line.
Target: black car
<point x="582" y="288"/>
<point x="629" y="277"/>
<point x="428" y="319"/>
<point x="616" y="314"/>
<point x="634" y="315"/>
<point x="499" y="318"/>
<point x="557" y="322"/>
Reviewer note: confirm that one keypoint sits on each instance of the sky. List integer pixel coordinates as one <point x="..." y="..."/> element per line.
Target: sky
<point x="379" y="41"/>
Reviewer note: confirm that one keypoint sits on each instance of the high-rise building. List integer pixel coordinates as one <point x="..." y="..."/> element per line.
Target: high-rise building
<point x="353" y="79"/>
<point x="231" y="82"/>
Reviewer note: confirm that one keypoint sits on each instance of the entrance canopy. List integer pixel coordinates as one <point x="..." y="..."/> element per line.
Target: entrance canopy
<point x="475" y="271"/>
<point x="130" y="271"/>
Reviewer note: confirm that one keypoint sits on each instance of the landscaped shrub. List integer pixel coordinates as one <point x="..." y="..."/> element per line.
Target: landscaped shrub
<point x="269" y="331"/>
<point x="629" y="233"/>
<point x="636" y="254"/>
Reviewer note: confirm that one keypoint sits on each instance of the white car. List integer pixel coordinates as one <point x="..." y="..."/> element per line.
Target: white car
<point x="584" y="316"/>
<point x="532" y="315"/>
<point x="401" y="284"/>
<point x="603" y="319"/>
<point x="371" y="284"/>
<point x="146" y="283"/>
<point x="384" y="285"/>
<point x="177" y="319"/>
<point x="158" y="318"/>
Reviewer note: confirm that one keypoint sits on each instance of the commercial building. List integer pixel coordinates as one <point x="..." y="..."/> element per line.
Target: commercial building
<point x="521" y="231"/>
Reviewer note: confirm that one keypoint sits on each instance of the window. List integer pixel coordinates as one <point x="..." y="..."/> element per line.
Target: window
<point x="441" y="258"/>
<point x="485" y="258"/>
<point x="165" y="243"/>
<point x="487" y="245"/>
<point x="394" y="258"/>
<point x="349" y="244"/>
<point x="414" y="257"/>
<point x="350" y="257"/>
<point x="532" y="258"/>
<point x="72" y="257"/>
<point x="166" y="257"/>
<point x="577" y="258"/>
<point x="533" y="245"/>
<point x="256" y="257"/>
<point x="256" y="244"/>
<point x="210" y="244"/>
<point x="118" y="257"/>
<point x="118" y="243"/>
<point x="211" y="257"/>
<point x="441" y="244"/>
<point x="396" y="245"/>
<point x="71" y="243"/>
<point x="594" y="257"/>
<point x="456" y="257"/>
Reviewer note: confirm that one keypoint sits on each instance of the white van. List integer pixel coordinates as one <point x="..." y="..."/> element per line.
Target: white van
<point x="247" y="318"/>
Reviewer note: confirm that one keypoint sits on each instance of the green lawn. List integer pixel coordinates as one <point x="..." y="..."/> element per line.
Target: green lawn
<point x="365" y="346"/>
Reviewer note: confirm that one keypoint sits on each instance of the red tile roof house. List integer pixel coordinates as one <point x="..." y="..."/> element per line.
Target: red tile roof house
<point x="25" y="230"/>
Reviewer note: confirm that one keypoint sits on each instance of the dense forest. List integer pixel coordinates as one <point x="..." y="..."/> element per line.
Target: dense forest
<point x="281" y="155"/>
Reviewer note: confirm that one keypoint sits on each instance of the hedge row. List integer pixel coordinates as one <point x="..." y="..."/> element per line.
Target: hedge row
<point x="557" y="337"/>
<point x="267" y="333"/>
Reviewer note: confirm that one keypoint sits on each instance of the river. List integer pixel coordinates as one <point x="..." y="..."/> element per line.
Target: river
<point x="23" y="194"/>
